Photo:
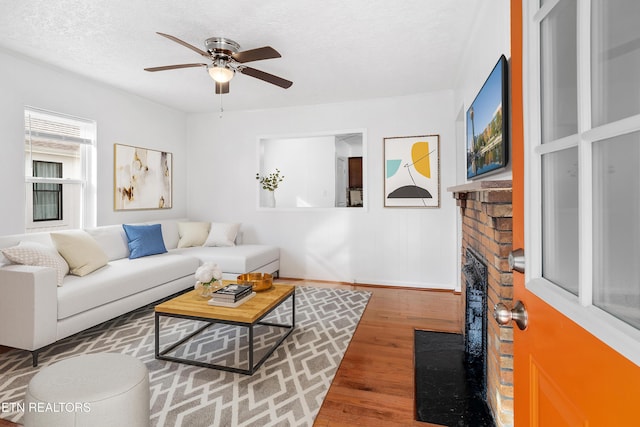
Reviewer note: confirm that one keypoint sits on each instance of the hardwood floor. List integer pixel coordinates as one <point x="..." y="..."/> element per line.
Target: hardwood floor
<point x="374" y="385"/>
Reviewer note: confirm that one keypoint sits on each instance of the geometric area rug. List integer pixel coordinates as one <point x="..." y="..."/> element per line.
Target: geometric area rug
<point x="287" y="390"/>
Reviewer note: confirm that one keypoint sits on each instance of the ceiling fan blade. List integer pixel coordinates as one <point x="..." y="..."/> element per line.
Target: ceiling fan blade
<point x="266" y="52"/>
<point x="174" y="67"/>
<point x="269" y="78"/>
<point x="185" y="44"/>
<point x="222" y="87"/>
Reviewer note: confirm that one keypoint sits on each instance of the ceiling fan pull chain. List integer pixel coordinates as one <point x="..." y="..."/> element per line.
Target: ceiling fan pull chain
<point x="221" y="109"/>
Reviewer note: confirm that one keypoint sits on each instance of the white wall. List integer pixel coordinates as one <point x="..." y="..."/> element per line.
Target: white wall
<point x="489" y="38"/>
<point x="397" y="246"/>
<point x="121" y="118"/>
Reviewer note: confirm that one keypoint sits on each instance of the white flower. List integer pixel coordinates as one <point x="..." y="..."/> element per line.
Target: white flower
<point x="208" y="272"/>
<point x="203" y="274"/>
<point x="217" y="272"/>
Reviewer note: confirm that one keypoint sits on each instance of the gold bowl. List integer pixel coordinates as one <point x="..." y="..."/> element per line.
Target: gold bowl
<point x="258" y="281"/>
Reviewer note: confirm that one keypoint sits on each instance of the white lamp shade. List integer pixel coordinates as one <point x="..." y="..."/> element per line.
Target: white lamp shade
<point x="221" y="74"/>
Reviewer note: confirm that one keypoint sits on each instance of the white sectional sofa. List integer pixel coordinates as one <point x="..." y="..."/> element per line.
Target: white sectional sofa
<point x="36" y="310"/>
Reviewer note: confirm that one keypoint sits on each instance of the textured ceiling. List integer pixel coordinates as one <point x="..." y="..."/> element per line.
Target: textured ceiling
<point x="333" y="50"/>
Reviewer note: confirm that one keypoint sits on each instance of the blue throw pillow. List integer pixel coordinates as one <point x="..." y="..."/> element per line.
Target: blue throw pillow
<point x="144" y="240"/>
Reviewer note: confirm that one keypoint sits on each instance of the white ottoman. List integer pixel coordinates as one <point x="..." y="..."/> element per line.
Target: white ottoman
<point x="93" y="390"/>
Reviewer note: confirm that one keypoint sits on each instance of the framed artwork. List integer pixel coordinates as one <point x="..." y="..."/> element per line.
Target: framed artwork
<point x="412" y="171"/>
<point x="142" y="178"/>
<point x="487" y="139"/>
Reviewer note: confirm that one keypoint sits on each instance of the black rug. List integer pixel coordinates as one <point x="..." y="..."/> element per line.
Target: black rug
<point x="448" y="392"/>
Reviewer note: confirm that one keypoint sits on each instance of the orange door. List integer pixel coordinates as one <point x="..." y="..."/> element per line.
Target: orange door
<point x="563" y="375"/>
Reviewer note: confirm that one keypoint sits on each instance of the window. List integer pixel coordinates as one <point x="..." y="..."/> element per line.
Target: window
<point x="583" y="118"/>
<point x="316" y="170"/>
<point x="59" y="171"/>
<point x="47" y="198"/>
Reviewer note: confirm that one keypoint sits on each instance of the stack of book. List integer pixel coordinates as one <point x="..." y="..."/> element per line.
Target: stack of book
<point x="231" y="295"/>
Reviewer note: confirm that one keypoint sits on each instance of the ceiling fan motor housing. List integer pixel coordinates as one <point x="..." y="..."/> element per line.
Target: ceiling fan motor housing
<point x="221" y="45"/>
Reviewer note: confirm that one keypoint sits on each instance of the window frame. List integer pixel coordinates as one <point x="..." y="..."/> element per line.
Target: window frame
<point x="84" y="214"/>
<point x="616" y="333"/>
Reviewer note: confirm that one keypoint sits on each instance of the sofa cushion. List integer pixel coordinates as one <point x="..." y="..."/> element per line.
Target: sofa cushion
<point x="33" y="253"/>
<point x="234" y="259"/>
<point x="121" y="278"/>
<point x="144" y="240"/>
<point x="222" y="234"/>
<point x="80" y="250"/>
<point x="192" y="233"/>
<point x="170" y="233"/>
<point x="112" y="240"/>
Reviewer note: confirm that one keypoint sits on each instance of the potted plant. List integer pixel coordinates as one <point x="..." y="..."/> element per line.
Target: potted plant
<point x="270" y="184"/>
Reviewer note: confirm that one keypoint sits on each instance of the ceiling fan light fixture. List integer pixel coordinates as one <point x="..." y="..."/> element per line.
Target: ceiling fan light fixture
<point x="221" y="74"/>
<point x="226" y="59"/>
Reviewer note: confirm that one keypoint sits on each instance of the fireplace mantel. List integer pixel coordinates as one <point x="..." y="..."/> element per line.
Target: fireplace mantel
<point x="477" y="186"/>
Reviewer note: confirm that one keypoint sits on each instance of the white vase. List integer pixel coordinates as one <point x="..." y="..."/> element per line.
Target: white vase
<point x="270" y="199"/>
<point x="206" y="290"/>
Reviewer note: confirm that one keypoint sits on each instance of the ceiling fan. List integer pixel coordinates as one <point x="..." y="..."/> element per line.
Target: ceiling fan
<point x="227" y="59"/>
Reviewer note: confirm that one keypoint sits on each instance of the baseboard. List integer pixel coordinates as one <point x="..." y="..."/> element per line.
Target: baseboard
<point x="372" y="284"/>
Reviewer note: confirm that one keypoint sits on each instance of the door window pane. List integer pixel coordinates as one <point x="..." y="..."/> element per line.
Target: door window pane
<point x="558" y="70"/>
<point x="616" y="223"/>
<point x="560" y="218"/>
<point x="615" y="60"/>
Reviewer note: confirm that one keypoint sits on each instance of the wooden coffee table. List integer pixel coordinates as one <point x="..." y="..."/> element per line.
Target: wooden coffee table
<point x="192" y="306"/>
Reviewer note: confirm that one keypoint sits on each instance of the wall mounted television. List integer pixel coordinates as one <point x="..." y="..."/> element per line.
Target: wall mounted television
<point x="487" y="136"/>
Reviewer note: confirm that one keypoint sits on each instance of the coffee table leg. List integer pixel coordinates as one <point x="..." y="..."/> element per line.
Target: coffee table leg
<point x="293" y="310"/>
<point x="251" y="350"/>
<point x="157" y="334"/>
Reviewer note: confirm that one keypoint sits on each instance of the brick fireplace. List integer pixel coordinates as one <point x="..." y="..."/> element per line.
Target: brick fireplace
<point x="486" y="211"/>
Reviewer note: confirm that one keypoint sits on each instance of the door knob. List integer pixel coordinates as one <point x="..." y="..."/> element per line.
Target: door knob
<point x="516" y="260"/>
<point x="518" y="314"/>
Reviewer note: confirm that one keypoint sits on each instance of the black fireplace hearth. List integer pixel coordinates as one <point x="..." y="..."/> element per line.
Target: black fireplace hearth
<point x="447" y="391"/>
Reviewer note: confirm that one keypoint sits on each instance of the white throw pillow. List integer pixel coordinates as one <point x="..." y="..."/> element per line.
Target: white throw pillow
<point x="80" y="250"/>
<point x="170" y="233"/>
<point x="33" y="253"/>
<point x="222" y="234"/>
<point x="112" y="240"/>
<point x="192" y="233"/>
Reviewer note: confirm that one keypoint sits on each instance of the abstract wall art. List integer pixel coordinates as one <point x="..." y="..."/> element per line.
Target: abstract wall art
<point x="412" y="171"/>
<point x="142" y="178"/>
